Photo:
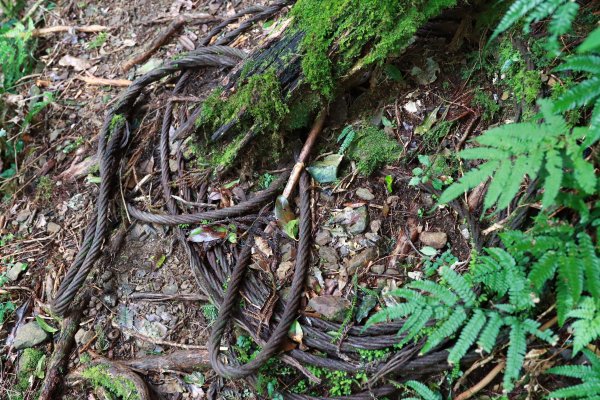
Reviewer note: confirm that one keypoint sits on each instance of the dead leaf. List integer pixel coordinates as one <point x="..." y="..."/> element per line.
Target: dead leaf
<point x="263" y="246"/>
<point x="79" y="64"/>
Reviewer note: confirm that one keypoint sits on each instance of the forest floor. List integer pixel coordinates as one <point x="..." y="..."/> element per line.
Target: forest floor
<point x="374" y="232"/>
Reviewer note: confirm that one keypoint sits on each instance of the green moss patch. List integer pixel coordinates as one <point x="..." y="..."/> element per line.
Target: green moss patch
<point x="99" y="375"/>
<point x="372" y="148"/>
<point x="28" y="366"/>
<point x="382" y="26"/>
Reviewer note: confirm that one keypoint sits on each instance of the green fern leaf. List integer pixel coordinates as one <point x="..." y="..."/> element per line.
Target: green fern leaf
<point x="414" y="324"/>
<point x="392" y="313"/>
<point x="516" y="138"/>
<point x="441" y="293"/>
<point x="586" y="328"/>
<point x="515" y="355"/>
<point x="578" y="96"/>
<point x="581" y="63"/>
<point x="543" y="270"/>
<point x="499" y="182"/>
<point x="572" y="371"/>
<point x="411" y="296"/>
<point x="563" y="18"/>
<point x="586" y="390"/>
<point x="467" y="337"/>
<point x="460" y="285"/>
<point x="517" y="10"/>
<point x="423" y="391"/>
<point x="553" y="181"/>
<point x="533" y="327"/>
<point x="570" y="271"/>
<point x="541" y="12"/>
<point x="468" y="181"/>
<point x="564" y="301"/>
<point x="591" y="264"/>
<point x="584" y="174"/>
<point x="448" y="328"/>
<point x="514" y="183"/>
<point x="591" y="42"/>
<point x="487" y="339"/>
<point x="594" y="131"/>
<point x="484" y="153"/>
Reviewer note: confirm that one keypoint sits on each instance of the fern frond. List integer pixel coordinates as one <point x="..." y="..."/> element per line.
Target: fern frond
<point x="570" y="271"/>
<point x="459" y="284"/>
<point x="447" y="329"/>
<point x="591" y="43"/>
<point x="392" y="313"/>
<point x="487" y="339"/>
<point x="515" y="355"/>
<point x="586" y="390"/>
<point x="587" y="327"/>
<point x="564" y="301"/>
<point x="584" y="173"/>
<point x="423" y="391"/>
<point x="572" y="371"/>
<point x="498" y="184"/>
<point x="517" y="10"/>
<point x="441" y="293"/>
<point x="533" y="327"/>
<point x="581" y="63"/>
<point x="468" y="336"/>
<point x="591" y="264"/>
<point x="553" y="181"/>
<point x="519" y="170"/>
<point x="541" y="12"/>
<point x="563" y="18"/>
<point x="414" y="324"/>
<point x="544" y="269"/>
<point x="484" y="153"/>
<point x="469" y="180"/>
<point x="578" y="96"/>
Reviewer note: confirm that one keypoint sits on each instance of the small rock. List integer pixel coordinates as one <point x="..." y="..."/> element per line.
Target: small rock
<point x="437" y="240"/>
<point x="76" y="202"/>
<point x="375" y="226"/>
<point x="29" y="335"/>
<point x="170" y="288"/>
<point x="287" y="252"/>
<point x="378" y="268"/>
<point x="15" y="271"/>
<point x="328" y="255"/>
<point x="427" y="199"/>
<point x="330" y="307"/>
<point x="82" y="336"/>
<point x="355" y="219"/>
<point x="464" y="231"/>
<point x="361" y="259"/>
<point x="392" y="271"/>
<point x="364" y="194"/>
<point x="110" y="299"/>
<point x="23" y="215"/>
<point x="323" y="237"/>
<point x="106" y="275"/>
<point x="372" y="237"/>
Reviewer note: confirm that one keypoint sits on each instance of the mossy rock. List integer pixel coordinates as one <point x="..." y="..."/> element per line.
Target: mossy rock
<point x="372" y="149"/>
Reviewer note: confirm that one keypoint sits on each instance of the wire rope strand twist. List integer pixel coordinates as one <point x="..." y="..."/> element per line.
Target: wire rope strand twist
<point x="291" y="308"/>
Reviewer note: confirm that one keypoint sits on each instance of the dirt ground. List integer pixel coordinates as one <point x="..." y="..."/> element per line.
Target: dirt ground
<point x="145" y="300"/>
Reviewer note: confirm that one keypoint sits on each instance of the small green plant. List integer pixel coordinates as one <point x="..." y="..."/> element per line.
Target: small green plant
<point x="44" y="189"/>
<point x="346" y="138"/>
<point x="265" y="180"/>
<point x="389" y="181"/>
<point x="486" y="104"/>
<point x="422" y="391"/>
<point x="32" y="366"/>
<point x="97" y="41"/>
<point x="210" y="312"/>
<point x="16" y="48"/>
<point x="425" y="174"/>
<point x="72" y="146"/>
<point x="589" y="388"/>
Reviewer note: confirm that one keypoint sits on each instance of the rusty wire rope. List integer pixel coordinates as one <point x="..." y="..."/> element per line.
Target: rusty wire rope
<point x="211" y="267"/>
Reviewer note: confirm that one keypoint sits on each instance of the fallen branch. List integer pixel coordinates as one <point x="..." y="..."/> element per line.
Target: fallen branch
<point x="179" y="360"/>
<point x="62" y="348"/>
<point x="69" y="28"/>
<point x="467" y="394"/>
<point x="299" y="166"/>
<point x="148" y="296"/>
<point x="160" y="40"/>
<point x="92" y="80"/>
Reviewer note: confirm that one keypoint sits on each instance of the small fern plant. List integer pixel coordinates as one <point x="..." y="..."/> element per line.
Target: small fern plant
<point x="561" y="13"/>
<point x="453" y="307"/>
<point x="539" y="150"/>
<point x="422" y="391"/>
<point x="16" y="45"/>
<point x="589" y="388"/>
